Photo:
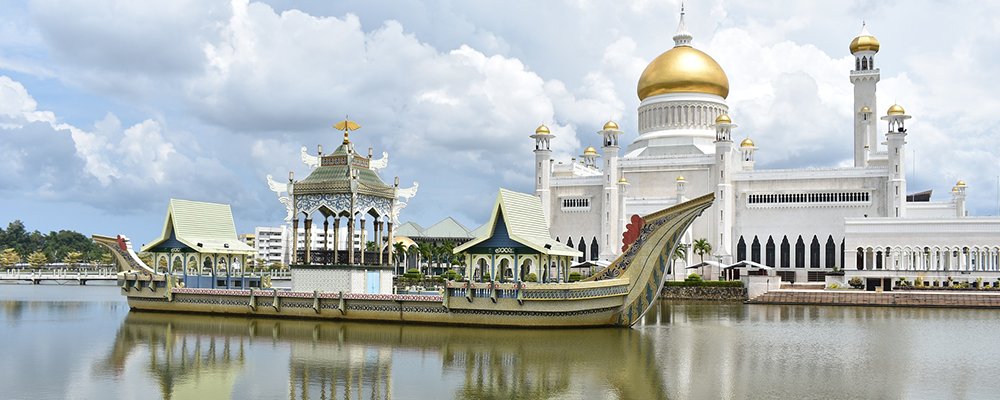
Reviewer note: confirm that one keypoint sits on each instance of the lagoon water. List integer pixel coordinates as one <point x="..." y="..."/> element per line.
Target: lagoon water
<point x="72" y="342"/>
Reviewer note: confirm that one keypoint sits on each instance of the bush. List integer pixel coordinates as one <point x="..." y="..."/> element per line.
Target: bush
<point x="856" y="282"/>
<point x="575" y="276"/>
<point x="413" y="274"/>
<point x="705" y="283"/>
<point x="486" y="277"/>
<point x="835" y="285"/>
<point x="693" y="278"/>
<point x="532" y="277"/>
<point x="451" y="275"/>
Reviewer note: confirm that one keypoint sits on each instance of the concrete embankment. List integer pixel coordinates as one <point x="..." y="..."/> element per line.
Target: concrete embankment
<point x="704" y="293"/>
<point x="888" y="299"/>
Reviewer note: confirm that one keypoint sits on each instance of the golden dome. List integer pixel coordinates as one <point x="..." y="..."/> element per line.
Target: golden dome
<point x="865" y="109"/>
<point x="611" y="126"/>
<point x="623" y="181"/>
<point x="542" y="130"/>
<point x="590" y="151"/>
<point x="896" y="109"/>
<point x="960" y="183"/>
<point x="746" y="143"/>
<point x="683" y="69"/>
<point x="680" y="178"/>
<point x="723" y="119"/>
<point x="865" y="41"/>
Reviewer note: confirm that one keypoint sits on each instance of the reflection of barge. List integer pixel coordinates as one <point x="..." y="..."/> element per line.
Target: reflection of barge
<point x="351" y="285"/>
<point x="617" y="295"/>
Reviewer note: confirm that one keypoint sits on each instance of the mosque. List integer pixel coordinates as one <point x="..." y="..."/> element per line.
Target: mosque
<point x="803" y="223"/>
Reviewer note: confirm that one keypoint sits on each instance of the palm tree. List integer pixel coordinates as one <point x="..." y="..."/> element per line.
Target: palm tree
<point x="426" y="253"/>
<point x="680" y="253"/>
<point x="701" y="246"/>
<point x="398" y="251"/>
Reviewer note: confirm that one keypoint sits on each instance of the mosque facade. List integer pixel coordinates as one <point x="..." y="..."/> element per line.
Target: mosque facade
<point x="804" y="223"/>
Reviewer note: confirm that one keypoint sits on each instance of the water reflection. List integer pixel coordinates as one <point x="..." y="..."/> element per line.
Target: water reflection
<point x="204" y="355"/>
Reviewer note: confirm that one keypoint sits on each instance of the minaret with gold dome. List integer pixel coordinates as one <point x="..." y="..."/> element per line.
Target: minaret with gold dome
<point x="864" y="77"/>
<point x="543" y="167"/>
<point x="611" y="218"/>
<point x="681" y="92"/>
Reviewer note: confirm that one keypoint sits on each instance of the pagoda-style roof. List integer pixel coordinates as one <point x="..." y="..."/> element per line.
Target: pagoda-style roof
<point x="411" y="229"/>
<point x="333" y="176"/>
<point x="448" y="228"/>
<point x="201" y="227"/>
<point x="519" y="217"/>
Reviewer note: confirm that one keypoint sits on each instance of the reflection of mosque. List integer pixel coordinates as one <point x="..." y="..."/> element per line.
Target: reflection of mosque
<point x="203" y="356"/>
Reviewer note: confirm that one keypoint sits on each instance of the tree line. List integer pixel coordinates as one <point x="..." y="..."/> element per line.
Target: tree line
<point x="17" y="245"/>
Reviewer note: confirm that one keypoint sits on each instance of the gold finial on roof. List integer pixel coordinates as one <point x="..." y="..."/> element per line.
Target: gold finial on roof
<point x="346" y="125"/>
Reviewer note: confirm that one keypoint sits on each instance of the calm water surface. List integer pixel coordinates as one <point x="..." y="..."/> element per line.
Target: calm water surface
<point x="83" y="343"/>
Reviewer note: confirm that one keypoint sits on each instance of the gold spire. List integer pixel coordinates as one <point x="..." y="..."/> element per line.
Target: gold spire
<point x="542" y="130"/>
<point x="723" y="119"/>
<point x="590" y="151"/>
<point x="611" y="126"/>
<point x="960" y="183"/>
<point x="346" y="126"/>
<point x="747" y="143"/>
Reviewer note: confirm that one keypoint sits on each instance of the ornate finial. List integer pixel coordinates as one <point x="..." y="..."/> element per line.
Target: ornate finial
<point x="291" y="176"/>
<point x="346" y="125"/>
<point x="682" y="37"/>
<point x="319" y="150"/>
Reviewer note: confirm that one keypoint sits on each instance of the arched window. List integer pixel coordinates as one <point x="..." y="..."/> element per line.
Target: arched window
<point x="842" y="257"/>
<point x="786" y="259"/>
<point x="741" y="250"/>
<point x="800" y="253"/>
<point x="755" y="250"/>
<point x="769" y="252"/>
<point x="557" y="239"/>
<point x="569" y="242"/>
<point x="583" y="251"/>
<point x="878" y="259"/>
<point x="864" y="63"/>
<point x="871" y="62"/>
<point x="831" y="253"/>
<point x="857" y="64"/>
<point x="861" y="259"/>
<point x="814" y="253"/>
<point x="594" y="252"/>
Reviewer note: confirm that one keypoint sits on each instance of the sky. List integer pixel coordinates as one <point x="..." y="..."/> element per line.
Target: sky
<point x="109" y="108"/>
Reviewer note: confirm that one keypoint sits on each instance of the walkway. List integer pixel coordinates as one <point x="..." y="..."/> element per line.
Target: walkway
<point x="921" y="298"/>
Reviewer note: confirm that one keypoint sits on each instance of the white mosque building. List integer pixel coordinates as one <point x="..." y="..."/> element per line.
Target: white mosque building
<point x="804" y="223"/>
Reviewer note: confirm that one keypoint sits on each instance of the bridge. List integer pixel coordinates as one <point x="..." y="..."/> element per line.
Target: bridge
<point x="82" y="276"/>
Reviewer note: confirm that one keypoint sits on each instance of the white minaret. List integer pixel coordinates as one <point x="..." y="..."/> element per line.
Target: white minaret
<point x="958" y="196"/>
<point x="747" y="150"/>
<point x="613" y="205"/>
<point x="864" y="77"/>
<point x="543" y="168"/>
<point x="896" y="139"/>
<point x="724" y="200"/>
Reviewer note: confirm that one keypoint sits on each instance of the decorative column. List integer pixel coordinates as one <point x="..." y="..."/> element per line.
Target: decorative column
<point x="379" y="225"/>
<point x="295" y="241"/>
<point x="336" y="239"/>
<point x="350" y="239"/>
<point x="308" y="244"/>
<point x="363" y="243"/>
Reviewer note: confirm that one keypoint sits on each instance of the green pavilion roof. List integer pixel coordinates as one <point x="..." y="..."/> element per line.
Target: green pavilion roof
<point x="409" y="229"/>
<point x="203" y="227"/>
<point x="447" y="228"/>
<point x="331" y="176"/>
<point x="526" y="224"/>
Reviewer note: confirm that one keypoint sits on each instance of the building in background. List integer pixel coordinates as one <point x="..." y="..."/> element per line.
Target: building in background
<point x="273" y="244"/>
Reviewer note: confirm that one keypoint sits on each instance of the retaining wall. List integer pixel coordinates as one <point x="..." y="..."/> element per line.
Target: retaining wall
<point x="704" y="293"/>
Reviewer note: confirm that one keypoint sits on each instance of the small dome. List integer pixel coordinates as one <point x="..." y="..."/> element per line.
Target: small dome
<point x="746" y="143"/>
<point x="723" y="119"/>
<point x="865" y="109"/>
<point x="680" y="178"/>
<point x="611" y="126"/>
<point x="623" y="181"/>
<point x="896" y="109"/>
<point x="960" y="183"/>
<point x="865" y="41"/>
<point x="590" y="151"/>
<point x="542" y="130"/>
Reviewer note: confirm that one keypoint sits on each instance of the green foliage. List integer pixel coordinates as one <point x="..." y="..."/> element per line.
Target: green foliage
<point x="55" y="245"/>
<point x="37" y="260"/>
<point x="835" y="285"/>
<point x="9" y="257"/>
<point x="575" y="276"/>
<point x="371" y="246"/>
<point x="398" y="252"/>
<point x="856" y="282"/>
<point x="73" y="258"/>
<point x="702" y="283"/>
<point x="413" y="274"/>
<point x="486" y="277"/>
<point x="693" y="278"/>
<point x="702" y="247"/>
<point x="451" y="275"/>
<point x="531" y="277"/>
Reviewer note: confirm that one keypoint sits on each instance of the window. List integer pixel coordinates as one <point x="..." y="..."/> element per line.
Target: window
<point x="814" y="253"/>
<point x="576" y="204"/>
<point x="800" y="253"/>
<point x="755" y="250"/>
<point x="785" y="253"/>
<point x="819" y="197"/>
<point x="741" y="250"/>
<point x="831" y="253"/>
<point x="769" y="252"/>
